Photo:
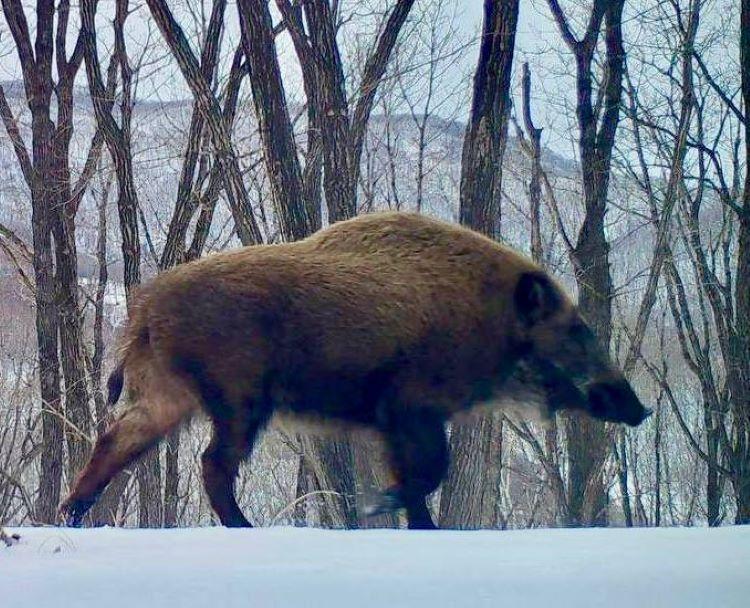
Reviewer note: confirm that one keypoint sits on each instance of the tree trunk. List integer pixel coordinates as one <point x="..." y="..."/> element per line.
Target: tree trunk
<point x="657" y="465"/>
<point x="486" y="133"/>
<point x="339" y="176"/>
<point x="53" y="209"/>
<point x="739" y="372"/>
<point x="740" y="364"/>
<point x="65" y="207"/>
<point x="464" y="499"/>
<point x="72" y="350"/>
<point x="469" y="498"/>
<point x="77" y="414"/>
<point x="622" y="478"/>
<point x="588" y="444"/>
<point x="42" y="219"/>
<point x="50" y="480"/>
<point x="272" y="113"/>
<point x="329" y="467"/>
<point x="302" y="490"/>
<point x="535" y="183"/>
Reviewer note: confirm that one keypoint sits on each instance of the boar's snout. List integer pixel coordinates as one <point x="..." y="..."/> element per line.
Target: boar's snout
<point x="616" y="402"/>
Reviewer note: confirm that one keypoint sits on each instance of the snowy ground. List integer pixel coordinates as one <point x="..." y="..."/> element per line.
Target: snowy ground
<point x="219" y="568"/>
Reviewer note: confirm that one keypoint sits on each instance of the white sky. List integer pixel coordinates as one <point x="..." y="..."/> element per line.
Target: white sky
<point x="538" y="42"/>
<point x="535" y="33"/>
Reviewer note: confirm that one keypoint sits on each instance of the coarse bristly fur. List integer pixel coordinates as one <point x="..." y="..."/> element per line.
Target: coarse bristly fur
<point x="391" y="321"/>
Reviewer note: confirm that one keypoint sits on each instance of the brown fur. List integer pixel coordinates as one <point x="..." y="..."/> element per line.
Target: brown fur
<point x="391" y="321"/>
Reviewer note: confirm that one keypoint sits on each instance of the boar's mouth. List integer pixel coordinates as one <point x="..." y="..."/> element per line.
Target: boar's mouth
<point x="535" y="379"/>
<point x="616" y="402"/>
<point x="610" y="401"/>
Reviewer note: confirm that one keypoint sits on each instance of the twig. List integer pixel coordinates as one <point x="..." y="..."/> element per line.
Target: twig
<point x="302" y="498"/>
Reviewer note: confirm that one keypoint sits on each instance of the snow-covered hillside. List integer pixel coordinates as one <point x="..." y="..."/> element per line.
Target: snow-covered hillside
<point x="221" y="568"/>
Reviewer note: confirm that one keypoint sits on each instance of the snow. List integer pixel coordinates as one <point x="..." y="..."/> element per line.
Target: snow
<point x="221" y="568"/>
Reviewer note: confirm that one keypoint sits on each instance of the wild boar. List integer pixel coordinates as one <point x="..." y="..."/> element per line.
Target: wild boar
<point x="391" y="321"/>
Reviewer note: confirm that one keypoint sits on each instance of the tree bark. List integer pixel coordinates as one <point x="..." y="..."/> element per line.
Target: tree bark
<point x="339" y="175"/>
<point x="739" y="368"/>
<point x="77" y="412"/>
<point x="622" y="478"/>
<point x="312" y="172"/>
<point x="535" y="183"/>
<point x="486" y="133"/>
<point x="469" y="498"/>
<point x="657" y="465"/>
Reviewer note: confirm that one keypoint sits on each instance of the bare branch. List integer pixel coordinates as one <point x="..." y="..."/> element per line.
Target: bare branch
<point x="24" y="277"/>
<point x="19" y="29"/>
<point x="14" y="134"/>
<point x="715" y="86"/>
<point x="661" y="249"/>
<point x="656" y="375"/>
<point x="16" y="241"/>
<point x="562" y="25"/>
<point x="247" y="227"/>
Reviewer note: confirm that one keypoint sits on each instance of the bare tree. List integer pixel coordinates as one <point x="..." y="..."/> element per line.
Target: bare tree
<point x="597" y="123"/>
<point x="342" y="122"/>
<point x="55" y="201"/>
<point x="702" y="269"/>
<point x="467" y="498"/>
<point x="118" y="140"/>
<point x="282" y="163"/>
<point x="428" y="50"/>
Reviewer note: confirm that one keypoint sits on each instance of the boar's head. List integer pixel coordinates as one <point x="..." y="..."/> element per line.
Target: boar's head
<point x="562" y="354"/>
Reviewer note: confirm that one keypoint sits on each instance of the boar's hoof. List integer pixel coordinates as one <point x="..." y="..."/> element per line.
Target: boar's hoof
<point x="74" y="511"/>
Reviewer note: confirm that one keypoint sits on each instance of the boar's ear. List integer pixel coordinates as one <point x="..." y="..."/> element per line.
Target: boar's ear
<point x="536" y="298"/>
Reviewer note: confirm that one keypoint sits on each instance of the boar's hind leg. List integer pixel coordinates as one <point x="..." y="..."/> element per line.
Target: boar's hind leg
<point x="230" y="444"/>
<point x="419" y="457"/>
<point x="134" y="432"/>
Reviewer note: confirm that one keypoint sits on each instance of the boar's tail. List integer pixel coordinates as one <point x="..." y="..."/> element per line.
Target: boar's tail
<point x="114" y="384"/>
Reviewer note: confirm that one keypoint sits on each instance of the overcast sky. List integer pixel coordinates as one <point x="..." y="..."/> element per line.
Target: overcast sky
<point x="538" y="42"/>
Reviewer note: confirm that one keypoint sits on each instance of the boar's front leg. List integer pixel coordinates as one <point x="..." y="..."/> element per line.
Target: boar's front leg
<point x="418" y="450"/>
